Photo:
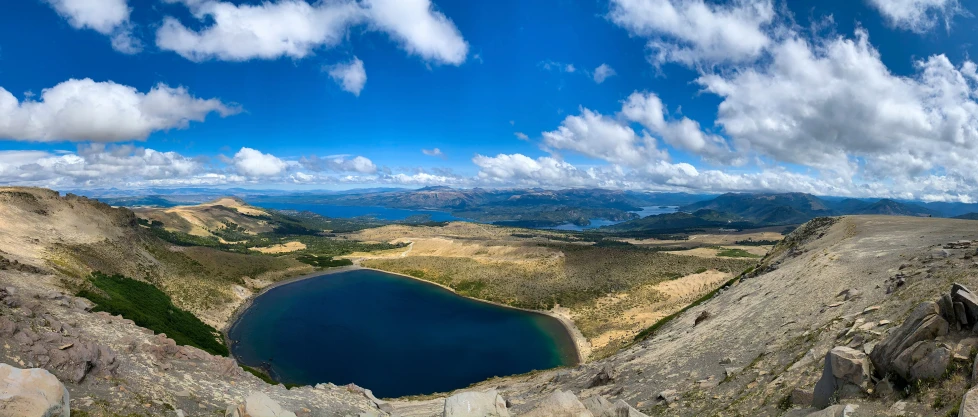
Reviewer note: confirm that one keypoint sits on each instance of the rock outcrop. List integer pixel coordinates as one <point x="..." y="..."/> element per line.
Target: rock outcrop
<point x="31" y="393"/>
<point x="925" y="323"/>
<point x="846" y="371"/>
<point x="258" y="405"/>
<point x="476" y="404"/>
<point x="560" y="404"/>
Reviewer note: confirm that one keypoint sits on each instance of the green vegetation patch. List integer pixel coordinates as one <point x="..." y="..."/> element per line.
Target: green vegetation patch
<point x="149" y="307"/>
<point x="736" y="253"/>
<point x="323" y="261"/>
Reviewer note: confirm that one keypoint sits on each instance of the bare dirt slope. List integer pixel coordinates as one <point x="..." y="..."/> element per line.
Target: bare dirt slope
<point x="202" y="219"/>
<point x="769" y="333"/>
<point x="74" y="236"/>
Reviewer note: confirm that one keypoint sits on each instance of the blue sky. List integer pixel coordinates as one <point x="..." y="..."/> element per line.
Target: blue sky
<point x="860" y="98"/>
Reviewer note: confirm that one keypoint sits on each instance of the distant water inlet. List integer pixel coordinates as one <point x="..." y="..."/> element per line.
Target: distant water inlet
<point x="394" y="335"/>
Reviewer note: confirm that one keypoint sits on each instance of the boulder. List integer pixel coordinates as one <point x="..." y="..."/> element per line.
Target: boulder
<point x="802" y="397"/>
<point x="835" y="411"/>
<point x="669" y="396"/>
<point x="604" y="376"/>
<point x="560" y="404"/>
<point x="31" y="393"/>
<point x="969" y="404"/>
<point x="844" y="368"/>
<point x="258" y="405"/>
<point x="475" y="404"/>
<point x="925" y="360"/>
<point x="924" y="323"/>
<point x="599" y="406"/>
<point x="961" y="294"/>
<point x="622" y="409"/>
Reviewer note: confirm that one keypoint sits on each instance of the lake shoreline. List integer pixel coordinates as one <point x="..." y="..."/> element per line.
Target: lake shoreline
<point x="582" y="347"/>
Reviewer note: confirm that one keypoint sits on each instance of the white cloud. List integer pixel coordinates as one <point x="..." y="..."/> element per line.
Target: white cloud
<point x="419" y="28"/>
<point x="338" y="163"/>
<point x="253" y="163"/>
<point x="557" y="66"/>
<point x="647" y="109"/>
<point x="85" y="110"/>
<point x="694" y="31"/>
<point x="433" y="152"/>
<point x="290" y="28"/>
<point x="522" y="170"/>
<point x="295" y="29"/>
<point x="349" y="76"/>
<point x="108" y="17"/>
<point x="599" y="136"/>
<point x="521" y="136"/>
<point x="917" y="15"/>
<point x="835" y="106"/>
<point x="603" y="72"/>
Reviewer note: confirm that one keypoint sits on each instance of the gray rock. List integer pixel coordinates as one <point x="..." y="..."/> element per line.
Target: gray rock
<point x="622" y="409"/>
<point x="844" y="368"/>
<point x="31" y="393"/>
<point x="599" y="406"/>
<point x="476" y="404"/>
<point x="835" y="411"/>
<point x="961" y="294"/>
<point x="884" y="388"/>
<point x="932" y="363"/>
<point x="924" y="323"/>
<point x="669" y="396"/>
<point x="604" y="376"/>
<point x="969" y="404"/>
<point x="802" y="397"/>
<point x="381" y="404"/>
<point x="560" y="404"/>
<point x="258" y="405"/>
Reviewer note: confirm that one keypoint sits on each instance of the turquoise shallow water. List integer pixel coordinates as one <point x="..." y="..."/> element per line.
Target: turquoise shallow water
<point x="394" y="335"/>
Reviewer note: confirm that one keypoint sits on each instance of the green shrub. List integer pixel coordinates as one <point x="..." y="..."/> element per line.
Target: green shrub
<point x="149" y="307"/>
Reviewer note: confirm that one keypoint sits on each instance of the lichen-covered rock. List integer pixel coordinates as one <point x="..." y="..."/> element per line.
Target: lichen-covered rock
<point x="924" y="323"/>
<point x="258" y="405"/>
<point x="476" y="404"/>
<point x="560" y="404"/>
<point x="31" y="393"/>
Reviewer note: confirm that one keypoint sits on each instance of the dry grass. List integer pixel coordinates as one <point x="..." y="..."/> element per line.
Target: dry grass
<point x="281" y="248"/>
<point x="612" y="293"/>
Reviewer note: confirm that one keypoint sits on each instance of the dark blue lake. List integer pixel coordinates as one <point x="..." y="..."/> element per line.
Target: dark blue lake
<point x="341" y="212"/>
<point x="394" y="335"/>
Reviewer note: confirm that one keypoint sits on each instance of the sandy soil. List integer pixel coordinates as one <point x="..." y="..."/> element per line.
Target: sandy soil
<point x="282" y="248"/>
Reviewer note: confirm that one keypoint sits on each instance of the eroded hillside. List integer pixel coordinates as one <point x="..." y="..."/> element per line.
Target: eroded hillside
<point x="836" y="282"/>
<point x="74" y="236"/>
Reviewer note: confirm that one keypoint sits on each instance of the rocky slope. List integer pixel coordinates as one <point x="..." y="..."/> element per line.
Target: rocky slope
<point x="758" y="347"/>
<point x="835" y="288"/>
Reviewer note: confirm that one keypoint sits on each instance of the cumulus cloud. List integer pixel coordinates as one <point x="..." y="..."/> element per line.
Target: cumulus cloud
<point x="339" y="163"/>
<point x="523" y="170"/>
<point x="85" y="110"/>
<point x="521" y="136"/>
<point x="647" y="109"/>
<point x="295" y="29"/>
<point x="603" y="72"/>
<point x="108" y="17"/>
<point x="693" y="31"/>
<point x="917" y="15"/>
<point x="419" y="29"/>
<point x="433" y="152"/>
<point x="599" y="136"/>
<point x="253" y="163"/>
<point x="350" y="76"/>
<point x="835" y="106"/>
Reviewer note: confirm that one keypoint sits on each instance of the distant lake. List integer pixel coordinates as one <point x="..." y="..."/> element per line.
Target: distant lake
<point x="394" y="335"/>
<point x="596" y="223"/>
<point x="342" y="212"/>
